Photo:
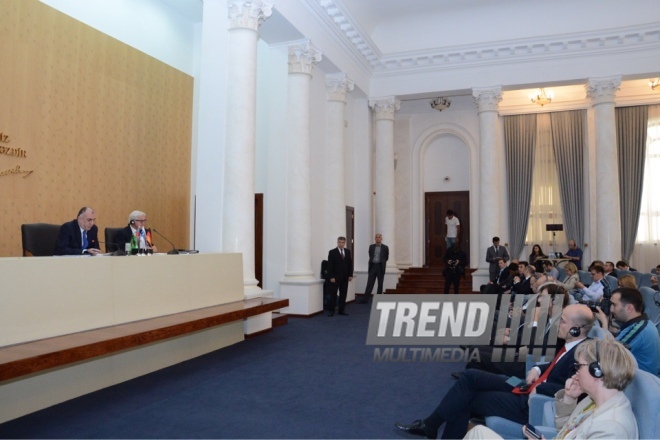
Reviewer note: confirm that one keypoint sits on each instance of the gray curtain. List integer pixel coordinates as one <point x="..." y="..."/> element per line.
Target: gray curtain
<point x="568" y="144"/>
<point x="519" y="141"/>
<point x="631" y="129"/>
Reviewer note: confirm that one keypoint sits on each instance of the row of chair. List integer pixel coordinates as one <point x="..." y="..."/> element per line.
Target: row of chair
<point x="39" y="239"/>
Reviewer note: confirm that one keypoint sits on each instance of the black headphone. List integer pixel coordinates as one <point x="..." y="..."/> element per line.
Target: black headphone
<point x="132" y="222"/>
<point x="594" y="368"/>
<point x="575" y="331"/>
<point x="657" y="303"/>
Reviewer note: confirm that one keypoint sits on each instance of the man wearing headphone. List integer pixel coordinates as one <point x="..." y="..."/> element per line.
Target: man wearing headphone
<point x="637" y="332"/>
<point x="489" y="394"/>
<point x="137" y="221"/>
<point x="603" y="369"/>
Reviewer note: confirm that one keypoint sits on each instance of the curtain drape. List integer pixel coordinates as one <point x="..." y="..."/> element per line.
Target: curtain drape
<point x="568" y="143"/>
<point x="647" y="246"/>
<point x="631" y="129"/>
<point x="545" y="207"/>
<point x="519" y="141"/>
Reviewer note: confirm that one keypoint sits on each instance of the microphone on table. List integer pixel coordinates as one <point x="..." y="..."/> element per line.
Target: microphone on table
<point x="118" y="252"/>
<point x="174" y="251"/>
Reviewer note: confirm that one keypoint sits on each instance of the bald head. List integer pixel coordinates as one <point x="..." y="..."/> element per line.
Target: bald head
<point x="576" y="316"/>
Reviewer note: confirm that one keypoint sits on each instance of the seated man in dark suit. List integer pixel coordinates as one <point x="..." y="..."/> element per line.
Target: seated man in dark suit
<point x="503" y="279"/>
<point x="79" y="236"/>
<point x="488" y="394"/>
<point x="136" y="227"/>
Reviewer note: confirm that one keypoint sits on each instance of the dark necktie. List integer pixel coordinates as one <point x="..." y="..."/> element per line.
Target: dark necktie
<point x="341" y="251"/>
<point x="85" y="243"/>
<point x="544" y="376"/>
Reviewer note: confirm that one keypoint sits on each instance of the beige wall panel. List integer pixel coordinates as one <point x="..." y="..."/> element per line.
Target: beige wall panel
<point x="101" y="124"/>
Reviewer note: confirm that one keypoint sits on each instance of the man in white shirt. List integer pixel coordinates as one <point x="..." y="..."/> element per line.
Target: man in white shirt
<point x="453" y="228"/>
<point x="595" y="290"/>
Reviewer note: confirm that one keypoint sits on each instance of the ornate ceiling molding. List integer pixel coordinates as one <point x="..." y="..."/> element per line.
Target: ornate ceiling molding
<point x="624" y="39"/>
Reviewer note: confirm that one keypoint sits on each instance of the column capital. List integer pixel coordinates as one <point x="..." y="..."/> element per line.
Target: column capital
<point x="337" y="86"/>
<point x="487" y="98"/>
<point x="303" y="56"/>
<point x="248" y="14"/>
<point x="384" y="108"/>
<point x="603" y="90"/>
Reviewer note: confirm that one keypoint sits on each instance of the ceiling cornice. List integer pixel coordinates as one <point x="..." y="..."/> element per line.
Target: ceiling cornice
<point x="608" y="41"/>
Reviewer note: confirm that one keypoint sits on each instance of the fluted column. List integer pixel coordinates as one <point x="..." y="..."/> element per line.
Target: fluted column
<point x="602" y="92"/>
<point x="337" y="85"/>
<point x="384" y="110"/>
<point x="491" y="171"/>
<point x="298" y="264"/>
<point x="245" y="16"/>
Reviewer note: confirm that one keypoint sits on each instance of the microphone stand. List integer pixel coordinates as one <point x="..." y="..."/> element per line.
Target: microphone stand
<point x="173" y="251"/>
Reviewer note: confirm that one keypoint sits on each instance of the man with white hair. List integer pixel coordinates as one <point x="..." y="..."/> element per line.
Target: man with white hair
<point x="136" y="227"/>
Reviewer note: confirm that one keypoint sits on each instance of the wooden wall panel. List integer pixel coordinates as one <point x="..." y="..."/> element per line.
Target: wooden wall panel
<point x="101" y="124"/>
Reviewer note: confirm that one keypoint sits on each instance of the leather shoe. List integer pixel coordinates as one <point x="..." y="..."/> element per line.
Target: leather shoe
<point x="457" y="374"/>
<point x="417" y="428"/>
<point x="343" y="314"/>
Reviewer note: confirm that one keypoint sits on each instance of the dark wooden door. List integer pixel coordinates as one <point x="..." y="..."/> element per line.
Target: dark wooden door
<point x="436" y="206"/>
<point x="350" y="229"/>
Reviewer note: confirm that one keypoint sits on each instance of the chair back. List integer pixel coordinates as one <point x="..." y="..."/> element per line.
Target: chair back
<point x="585" y="277"/>
<point x="612" y="281"/>
<point x="110" y="239"/>
<point x="39" y="239"/>
<point x="651" y="305"/>
<point x="643" y="394"/>
<point x="562" y="274"/>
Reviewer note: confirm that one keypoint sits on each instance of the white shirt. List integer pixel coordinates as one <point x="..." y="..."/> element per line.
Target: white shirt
<point x="452" y="226"/>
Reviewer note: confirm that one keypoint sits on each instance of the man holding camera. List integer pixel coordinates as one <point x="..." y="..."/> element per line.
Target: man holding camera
<point x="595" y="290"/>
<point x="637" y="333"/>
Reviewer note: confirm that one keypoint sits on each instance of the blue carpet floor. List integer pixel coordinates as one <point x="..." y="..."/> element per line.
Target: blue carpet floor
<point x="312" y="378"/>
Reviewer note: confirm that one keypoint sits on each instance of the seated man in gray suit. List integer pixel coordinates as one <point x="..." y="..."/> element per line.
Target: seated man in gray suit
<point x="494" y="253"/>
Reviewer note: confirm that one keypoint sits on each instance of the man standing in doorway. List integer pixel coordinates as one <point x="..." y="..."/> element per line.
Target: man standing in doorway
<point x="378" y="256"/>
<point x="453" y="228"/>
<point x="340" y="272"/>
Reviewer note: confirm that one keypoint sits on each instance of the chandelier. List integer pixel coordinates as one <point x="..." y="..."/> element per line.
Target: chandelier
<point x="541" y="98"/>
<point x="440" y="104"/>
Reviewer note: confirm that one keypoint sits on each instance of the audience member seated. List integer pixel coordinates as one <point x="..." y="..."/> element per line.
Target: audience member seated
<point x="627" y="280"/>
<point x="596" y="263"/>
<point x="654" y="282"/>
<point x="574" y="254"/>
<point x="604" y="368"/>
<point x="623" y="265"/>
<point x="79" y="236"/>
<point x="523" y="285"/>
<point x="636" y="332"/>
<point x="595" y="290"/>
<point x="572" y="278"/>
<point x="502" y="280"/>
<point x="609" y="269"/>
<point x="488" y="394"/>
<point x="536" y="258"/>
<point x="550" y="270"/>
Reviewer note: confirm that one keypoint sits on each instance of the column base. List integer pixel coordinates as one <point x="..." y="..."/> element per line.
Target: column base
<point x="479" y="277"/>
<point x="259" y="323"/>
<point x="305" y="296"/>
<point x="391" y="279"/>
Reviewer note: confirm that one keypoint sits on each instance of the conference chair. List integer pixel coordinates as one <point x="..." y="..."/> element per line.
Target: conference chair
<point x="584" y="277"/>
<point x="651" y="305"/>
<point x="110" y="234"/>
<point x="39" y="239"/>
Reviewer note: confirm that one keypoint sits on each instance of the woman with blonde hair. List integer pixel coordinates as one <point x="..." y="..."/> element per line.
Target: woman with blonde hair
<point x="627" y="281"/>
<point x="572" y="277"/>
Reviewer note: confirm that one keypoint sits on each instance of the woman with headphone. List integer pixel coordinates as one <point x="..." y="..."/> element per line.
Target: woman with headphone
<point x="603" y="369"/>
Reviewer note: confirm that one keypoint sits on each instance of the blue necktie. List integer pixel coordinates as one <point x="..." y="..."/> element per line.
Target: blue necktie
<point x="85" y="242"/>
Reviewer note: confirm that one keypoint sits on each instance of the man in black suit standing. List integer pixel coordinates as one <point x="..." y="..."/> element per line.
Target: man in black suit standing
<point x="489" y="394"/>
<point x="378" y="256"/>
<point x="79" y="236"/>
<point x="340" y="272"/>
<point x="492" y="254"/>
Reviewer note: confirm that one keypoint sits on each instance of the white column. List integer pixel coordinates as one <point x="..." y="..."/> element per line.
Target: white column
<point x="384" y="110"/>
<point x="337" y="85"/>
<point x="492" y="200"/>
<point x="300" y="285"/>
<point x="602" y="91"/>
<point x="245" y="16"/>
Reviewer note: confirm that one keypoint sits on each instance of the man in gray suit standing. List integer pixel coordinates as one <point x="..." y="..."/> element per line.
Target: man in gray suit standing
<point x="378" y="256"/>
<point x="494" y="253"/>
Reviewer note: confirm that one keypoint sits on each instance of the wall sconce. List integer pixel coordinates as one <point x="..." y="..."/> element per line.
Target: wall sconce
<point x="654" y="83"/>
<point x="541" y="98"/>
<point x="440" y="104"/>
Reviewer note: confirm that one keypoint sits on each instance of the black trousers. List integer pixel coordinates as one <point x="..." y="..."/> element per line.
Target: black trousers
<point x="376" y="272"/>
<point x="452" y="278"/>
<point x="340" y="284"/>
<point x="481" y="394"/>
